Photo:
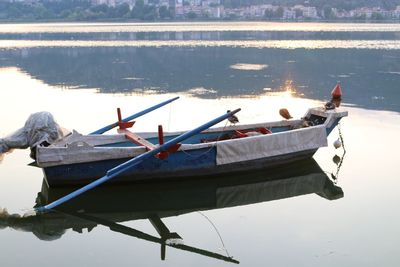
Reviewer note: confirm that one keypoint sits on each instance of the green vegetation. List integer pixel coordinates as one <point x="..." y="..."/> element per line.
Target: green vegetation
<point x="270" y="14"/>
<point x="79" y="10"/>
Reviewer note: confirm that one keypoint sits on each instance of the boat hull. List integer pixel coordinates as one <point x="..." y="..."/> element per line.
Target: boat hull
<point x="179" y="165"/>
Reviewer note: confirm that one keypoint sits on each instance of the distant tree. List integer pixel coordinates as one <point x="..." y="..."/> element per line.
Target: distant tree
<point x="236" y="3"/>
<point x="150" y="13"/>
<point x="191" y="15"/>
<point x="14" y="12"/>
<point x="122" y="10"/>
<point x="232" y="17"/>
<point x="268" y="13"/>
<point x="361" y="17"/>
<point x="42" y="13"/>
<point x="328" y="13"/>
<point x="100" y="8"/>
<point x="377" y="16"/>
<point x="299" y="13"/>
<point x="164" y="12"/>
<point x="65" y="14"/>
<point x="389" y="4"/>
<point x="278" y="13"/>
<point x="171" y="11"/>
<point x="138" y="9"/>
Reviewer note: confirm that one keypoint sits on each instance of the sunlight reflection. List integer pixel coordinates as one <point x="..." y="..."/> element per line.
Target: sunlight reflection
<point x="198" y="26"/>
<point x="282" y="44"/>
<point x="188" y="112"/>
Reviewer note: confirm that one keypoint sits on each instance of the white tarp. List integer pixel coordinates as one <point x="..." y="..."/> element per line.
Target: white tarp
<point x="40" y="127"/>
<point x="263" y="146"/>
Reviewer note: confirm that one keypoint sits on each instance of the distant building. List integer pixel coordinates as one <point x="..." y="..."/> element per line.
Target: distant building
<point x="131" y="3"/>
<point x="258" y="11"/>
<point x="103" y="2"/>
<point x="396" y="12"/>
<point x="198" y="10"/>
<point x="212" y="3"/>
<point x="164" y="3"/>
<point x="310" y="12"/>
<point x="214" y="12"/>
<point x="289" y="14"/>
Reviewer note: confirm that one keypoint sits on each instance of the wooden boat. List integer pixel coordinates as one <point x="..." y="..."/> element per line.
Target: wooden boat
<point x="79" y="159"/>
<point x="112" y="205"/>
<point x="127" y="156"/>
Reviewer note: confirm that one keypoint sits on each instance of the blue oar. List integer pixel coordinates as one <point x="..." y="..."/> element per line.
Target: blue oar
<point x="135" y="161"/>
<point x="134" y="116"/>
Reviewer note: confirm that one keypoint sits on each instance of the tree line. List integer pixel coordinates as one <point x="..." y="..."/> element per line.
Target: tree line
<point x="81" y="10"/>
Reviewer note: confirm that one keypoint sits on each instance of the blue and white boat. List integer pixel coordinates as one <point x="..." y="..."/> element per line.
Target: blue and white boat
<point x="80" y="159"/>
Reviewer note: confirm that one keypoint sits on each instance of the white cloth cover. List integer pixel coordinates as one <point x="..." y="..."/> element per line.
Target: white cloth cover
<point x="269" y="145"/>
<point x="39" y="127"/>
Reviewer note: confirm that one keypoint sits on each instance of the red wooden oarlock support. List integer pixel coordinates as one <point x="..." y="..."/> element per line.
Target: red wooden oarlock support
<point x="164" y="154"/>
<point x="123" y="125"/>
<point x="160" y="135"/>
<point x="143" y="142"/>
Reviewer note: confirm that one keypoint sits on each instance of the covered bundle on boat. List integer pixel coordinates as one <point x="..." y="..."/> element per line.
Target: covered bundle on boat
<point x="39" y="129"/>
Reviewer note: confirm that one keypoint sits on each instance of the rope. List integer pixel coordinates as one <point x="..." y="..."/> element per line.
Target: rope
<point x="341" y="136"/>
<point x="344" y="152"/>
<point x="216" y="230"/>
<point x="339" y="165"/>
<point x="169" y="116"/>
<point x="213" y="144"/>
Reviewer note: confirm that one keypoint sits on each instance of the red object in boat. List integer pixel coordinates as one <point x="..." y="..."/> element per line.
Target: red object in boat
<point x="337" y="91"/>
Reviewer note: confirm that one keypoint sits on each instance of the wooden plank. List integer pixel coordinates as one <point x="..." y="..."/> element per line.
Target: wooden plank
<point x="137" y="139"/>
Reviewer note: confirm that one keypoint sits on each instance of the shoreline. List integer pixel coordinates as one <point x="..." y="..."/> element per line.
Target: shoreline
<point x="196" y="21"/>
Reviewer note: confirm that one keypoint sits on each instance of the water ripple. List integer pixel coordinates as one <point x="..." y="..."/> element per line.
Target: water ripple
<point x="280" y="44"/>
<point x="198" y="26"/>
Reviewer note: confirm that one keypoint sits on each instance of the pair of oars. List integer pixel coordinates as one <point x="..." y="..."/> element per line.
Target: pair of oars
<point x="134" y="161"/>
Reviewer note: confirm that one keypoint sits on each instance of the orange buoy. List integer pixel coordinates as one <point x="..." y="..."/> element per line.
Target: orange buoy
<point x="285" y="113"/>
<point x="337" y="91"/>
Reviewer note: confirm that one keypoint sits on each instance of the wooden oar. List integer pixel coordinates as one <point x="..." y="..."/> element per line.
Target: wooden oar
<point x="134" y="116"/>
<point x="134" y="161"/>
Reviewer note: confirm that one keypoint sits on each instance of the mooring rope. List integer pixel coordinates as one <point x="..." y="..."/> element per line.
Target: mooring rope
<point x="341" y="136"/>
<point x="216" y="230"/>
<point x="339" y="164"/>
<point x="344" y="151"/>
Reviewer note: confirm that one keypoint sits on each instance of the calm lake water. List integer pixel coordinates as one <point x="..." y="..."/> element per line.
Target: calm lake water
<point x="292" y="216"/>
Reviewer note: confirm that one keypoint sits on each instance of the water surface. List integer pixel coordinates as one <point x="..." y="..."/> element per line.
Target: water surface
<point x="82" y="72"/>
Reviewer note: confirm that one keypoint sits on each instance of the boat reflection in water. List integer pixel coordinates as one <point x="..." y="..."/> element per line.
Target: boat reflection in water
<point x="111" y="205"/>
